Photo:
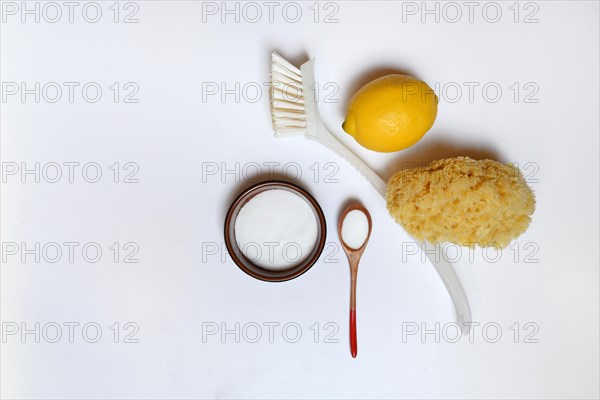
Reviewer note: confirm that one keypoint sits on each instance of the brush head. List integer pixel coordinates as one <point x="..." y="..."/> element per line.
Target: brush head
<point x="286" y="98"/>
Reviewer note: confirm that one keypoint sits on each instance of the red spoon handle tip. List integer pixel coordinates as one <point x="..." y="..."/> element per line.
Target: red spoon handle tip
<point x="353" y="341"/>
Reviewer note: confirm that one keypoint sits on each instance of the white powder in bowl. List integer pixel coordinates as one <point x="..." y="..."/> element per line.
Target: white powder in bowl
<point x="276" y="229"/>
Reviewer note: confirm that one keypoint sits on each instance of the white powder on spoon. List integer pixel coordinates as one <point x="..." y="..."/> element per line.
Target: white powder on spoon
<point x="276" y="229"/>
<point x="355" y="229"/>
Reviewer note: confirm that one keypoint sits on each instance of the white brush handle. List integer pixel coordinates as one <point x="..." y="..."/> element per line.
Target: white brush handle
<point x="328" y="140"/>
<point x="453" y="285"/>
<point x="442" y="266"/>
<point x="318" y="132"/>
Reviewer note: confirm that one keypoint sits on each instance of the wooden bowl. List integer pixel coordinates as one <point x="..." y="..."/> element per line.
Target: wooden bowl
<point x="244" y="263"/>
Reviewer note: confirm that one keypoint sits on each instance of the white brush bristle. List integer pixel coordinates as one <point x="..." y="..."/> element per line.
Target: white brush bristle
<point x="287" y="100"/>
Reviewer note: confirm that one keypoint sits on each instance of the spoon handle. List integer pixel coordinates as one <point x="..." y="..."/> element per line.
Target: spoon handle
<point x="353" y="339"/>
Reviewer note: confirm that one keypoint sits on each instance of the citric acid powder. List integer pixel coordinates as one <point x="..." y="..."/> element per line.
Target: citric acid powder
<point x="276" y="229"/>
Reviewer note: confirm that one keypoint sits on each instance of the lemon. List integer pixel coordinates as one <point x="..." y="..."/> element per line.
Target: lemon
<point x="391" y="113"/>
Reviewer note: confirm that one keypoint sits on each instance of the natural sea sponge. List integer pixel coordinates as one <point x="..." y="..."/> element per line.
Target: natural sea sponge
<point x="463" y="201"/>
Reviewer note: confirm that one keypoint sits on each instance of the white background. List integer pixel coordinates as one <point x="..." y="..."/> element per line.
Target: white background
<point x="176" y="130"/>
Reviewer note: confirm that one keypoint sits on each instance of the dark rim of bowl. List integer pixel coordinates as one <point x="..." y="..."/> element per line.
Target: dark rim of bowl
<point x="294" y="272"/>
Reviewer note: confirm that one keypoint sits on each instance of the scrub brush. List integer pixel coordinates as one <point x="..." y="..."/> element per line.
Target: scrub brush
<point x="294" y="112"/>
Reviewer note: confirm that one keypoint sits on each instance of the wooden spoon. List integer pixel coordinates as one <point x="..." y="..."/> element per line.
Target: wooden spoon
<point x="354" y="253"/>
